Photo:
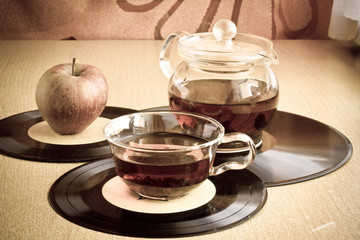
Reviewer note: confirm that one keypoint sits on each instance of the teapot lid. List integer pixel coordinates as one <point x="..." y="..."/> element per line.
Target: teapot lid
<point x="224" y="45"/>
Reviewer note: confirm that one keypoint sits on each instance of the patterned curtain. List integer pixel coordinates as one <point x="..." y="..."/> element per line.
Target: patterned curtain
<point x="156" y="19"/>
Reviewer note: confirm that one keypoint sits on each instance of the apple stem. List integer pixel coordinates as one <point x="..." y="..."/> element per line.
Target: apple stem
<point x="73" y="66"/>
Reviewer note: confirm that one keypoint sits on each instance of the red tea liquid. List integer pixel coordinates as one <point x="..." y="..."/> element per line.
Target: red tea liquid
<point x="218" y="99"/>
<point x="163" y="175"/>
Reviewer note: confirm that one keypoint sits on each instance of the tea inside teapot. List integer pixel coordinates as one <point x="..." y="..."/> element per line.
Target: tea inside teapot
<point x="240" y="106"/>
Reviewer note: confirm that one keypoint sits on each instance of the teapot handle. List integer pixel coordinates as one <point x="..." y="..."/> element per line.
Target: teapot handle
<point x="165" y="64"/>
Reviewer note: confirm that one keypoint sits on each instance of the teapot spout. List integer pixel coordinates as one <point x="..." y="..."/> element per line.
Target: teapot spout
<point x="272" y="57"/>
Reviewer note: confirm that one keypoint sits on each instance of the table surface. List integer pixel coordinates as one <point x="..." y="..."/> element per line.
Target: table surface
<point x="319" y="79"/>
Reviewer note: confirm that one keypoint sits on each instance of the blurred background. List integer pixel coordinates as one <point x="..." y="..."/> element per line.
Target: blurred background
<point x="156" y="19"/>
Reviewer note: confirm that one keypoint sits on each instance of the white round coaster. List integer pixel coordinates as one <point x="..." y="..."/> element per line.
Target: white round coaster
<point x="117" y="193"/>
<point x="42" y="132"/>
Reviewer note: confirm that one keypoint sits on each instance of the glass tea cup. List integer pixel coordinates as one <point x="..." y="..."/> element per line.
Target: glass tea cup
<point x="165" y="154"/>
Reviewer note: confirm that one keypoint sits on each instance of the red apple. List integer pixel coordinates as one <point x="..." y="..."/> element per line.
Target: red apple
<point x="71" y="96"/>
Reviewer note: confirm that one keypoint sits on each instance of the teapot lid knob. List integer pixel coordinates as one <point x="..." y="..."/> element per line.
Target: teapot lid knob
<point x="224" y="30"/>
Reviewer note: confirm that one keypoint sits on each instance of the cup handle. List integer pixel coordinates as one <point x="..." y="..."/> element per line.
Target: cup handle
<point x="165" y="64"/>
<point x="235" y="165"/>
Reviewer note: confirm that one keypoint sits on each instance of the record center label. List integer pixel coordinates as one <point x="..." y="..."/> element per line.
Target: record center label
<point x="117" y="193"/>
<point x="93" y="133"/>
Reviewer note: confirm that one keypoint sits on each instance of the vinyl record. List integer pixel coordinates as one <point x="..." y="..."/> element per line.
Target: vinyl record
<point x="295" y="149"/>
<point x="77" y="196"/>
<point x="16" y="142"/>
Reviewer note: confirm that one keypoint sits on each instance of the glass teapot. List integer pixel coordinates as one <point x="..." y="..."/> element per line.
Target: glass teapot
<point x="225" y="75"/>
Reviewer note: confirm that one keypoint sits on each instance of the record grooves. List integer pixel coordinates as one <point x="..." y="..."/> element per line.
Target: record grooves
<point x="300" y="149"/>
<point x="15" y="141"/>
<point x="77" y="197"/>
